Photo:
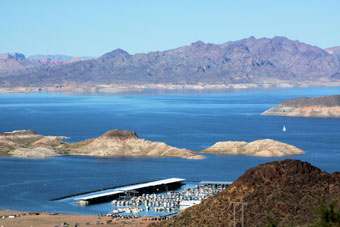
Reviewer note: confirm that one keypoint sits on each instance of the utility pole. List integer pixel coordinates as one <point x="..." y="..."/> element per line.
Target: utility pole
<point x="243" y="205"/>
<point x="234" y="204"/>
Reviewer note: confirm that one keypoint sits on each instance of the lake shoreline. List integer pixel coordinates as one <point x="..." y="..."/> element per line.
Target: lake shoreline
<point x="41" y="219"/>
<point x="160" y="88"/>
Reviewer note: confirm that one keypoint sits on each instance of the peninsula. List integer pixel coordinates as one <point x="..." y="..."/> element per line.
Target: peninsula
<point x="323" y="106"/>
<point x="264" y="148"/>
<point x="114" y="143"/>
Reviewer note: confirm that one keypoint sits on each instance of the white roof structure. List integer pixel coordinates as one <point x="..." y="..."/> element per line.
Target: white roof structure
<point x="216" y="182"/>
<point x="131" y="187"/>
<point x="188" y="203"/>
<point x="100" y="195"/>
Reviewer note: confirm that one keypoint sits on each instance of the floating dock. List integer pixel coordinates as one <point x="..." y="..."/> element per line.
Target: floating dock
<point x="149" y="187"/>
<point x="216" y="182"/>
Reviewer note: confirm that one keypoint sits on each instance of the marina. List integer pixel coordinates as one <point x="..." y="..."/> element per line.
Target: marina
<point x="162" y="197"/>
<point x="169" y="202"/>
<point x="149" y="187"/>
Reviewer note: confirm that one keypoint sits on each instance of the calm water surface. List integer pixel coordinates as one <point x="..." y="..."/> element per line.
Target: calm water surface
<point x="193" y="121"/>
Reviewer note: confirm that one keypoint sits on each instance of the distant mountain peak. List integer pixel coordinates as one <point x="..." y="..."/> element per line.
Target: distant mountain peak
<point x="115" y="53"/>
<point x="280" y="38"/>
<point x="250" y="38"/>
<point x="198" y="43"/>
<point x="16" y="56"/>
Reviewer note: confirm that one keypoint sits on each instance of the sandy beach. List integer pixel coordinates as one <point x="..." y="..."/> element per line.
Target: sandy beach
<point x="9" y="218"/>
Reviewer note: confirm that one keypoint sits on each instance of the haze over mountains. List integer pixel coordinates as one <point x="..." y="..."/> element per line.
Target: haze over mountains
<point x="248" y="62"/>
<point x="11" y="63"/>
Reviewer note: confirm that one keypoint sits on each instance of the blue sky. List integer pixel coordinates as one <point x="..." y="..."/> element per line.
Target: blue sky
<point x="94" y="27"/>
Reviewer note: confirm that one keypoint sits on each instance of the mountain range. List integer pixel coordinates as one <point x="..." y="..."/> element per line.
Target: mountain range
<point x="250" y="62"/>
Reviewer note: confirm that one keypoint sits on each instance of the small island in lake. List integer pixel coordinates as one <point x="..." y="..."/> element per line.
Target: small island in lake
<point x="323" y="106"/>
<point x="264" y="148"/>
<point x="114" y="143"/>
<point x="124" y="143"/>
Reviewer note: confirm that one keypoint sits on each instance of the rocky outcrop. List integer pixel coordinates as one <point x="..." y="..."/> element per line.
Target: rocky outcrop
<point x="126" y="143"/>
<point x="115" y="143"/>
<point x="323" y="106"/>
<point x="15" y="56"/>
<point x="334" y="50"/>
<point x="28" y="144"/>
<point x="287" y="191"/>
<point x="264" y="148"/>
<point x="14" y="63"/>
<point x="34" y="152"/>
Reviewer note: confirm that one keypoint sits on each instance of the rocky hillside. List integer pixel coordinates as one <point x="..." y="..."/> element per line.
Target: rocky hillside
<point x="17" y="63"/>
<point x="127" y="143"/>
<point x="323" y="106"/>
<point x="264" y="148"/>
<point x="28" y="144"/>
<point x="57" y="59"/>
<point x="12" y="63"/>
<point x="248" y="62"/>
<point x="113" y="143"/>
<point x="334" y="50"/>
<point x="286" y="191"/>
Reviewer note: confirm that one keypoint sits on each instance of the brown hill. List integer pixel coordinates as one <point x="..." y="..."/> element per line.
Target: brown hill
<point x="287" y="191"/>
<point x="323" y="106"/>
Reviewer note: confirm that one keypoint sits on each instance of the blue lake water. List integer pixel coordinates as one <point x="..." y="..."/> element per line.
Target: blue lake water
<point x="193" y="121"/>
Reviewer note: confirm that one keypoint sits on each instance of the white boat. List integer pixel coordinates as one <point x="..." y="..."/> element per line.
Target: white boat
<point x="284" y="128"/>
<point x="83" y="202"/>
<point x="118" y="211"/>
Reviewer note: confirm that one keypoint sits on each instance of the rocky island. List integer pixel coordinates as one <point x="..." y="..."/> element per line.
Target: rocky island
<point x="114" y="143"/>
<point x="323" y="106"/>
<point x="124" y="143"/>
<point x="264" y="148"/>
